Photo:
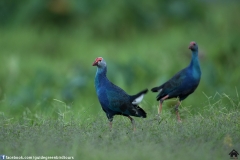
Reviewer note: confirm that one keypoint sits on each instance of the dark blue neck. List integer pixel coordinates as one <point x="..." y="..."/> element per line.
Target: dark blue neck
<point x="194" y="65"/>
<point x="100" y="76"/>
<point x="101" y="71"/>
<point x="194" y="62"/>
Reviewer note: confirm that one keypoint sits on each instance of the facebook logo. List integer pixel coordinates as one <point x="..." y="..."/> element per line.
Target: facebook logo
<point x="2" y="157"/>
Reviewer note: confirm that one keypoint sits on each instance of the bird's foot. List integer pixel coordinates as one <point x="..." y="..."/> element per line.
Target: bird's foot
<point x="158" y="117"/>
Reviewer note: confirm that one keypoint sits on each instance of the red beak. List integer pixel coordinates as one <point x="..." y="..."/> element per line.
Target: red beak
<point x="191" y="45"/>
<point x="94" y="63"/>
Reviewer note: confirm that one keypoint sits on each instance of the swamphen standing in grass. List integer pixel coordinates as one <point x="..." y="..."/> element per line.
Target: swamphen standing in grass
<point x="182" y="84"/>
<point x="114" y="100"/>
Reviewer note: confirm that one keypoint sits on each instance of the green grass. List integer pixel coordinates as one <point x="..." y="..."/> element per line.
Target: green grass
<point x="211" y="134"/>
<point x="42" y="64"/>
<point x="38" y="65"/>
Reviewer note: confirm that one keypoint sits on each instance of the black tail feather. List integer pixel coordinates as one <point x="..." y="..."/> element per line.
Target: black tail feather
<point x="139" y="94"/>
<point x="155" y="89"/>
<point x="141" y="112"/>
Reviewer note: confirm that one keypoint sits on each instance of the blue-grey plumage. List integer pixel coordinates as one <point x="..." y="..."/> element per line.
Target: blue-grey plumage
<point x="114" y="100"/>
<point x="182" y="84"/>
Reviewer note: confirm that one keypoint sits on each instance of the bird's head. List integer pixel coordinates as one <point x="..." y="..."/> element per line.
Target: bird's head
<point x="193" y="46"/>
<point x="99" y="62"/>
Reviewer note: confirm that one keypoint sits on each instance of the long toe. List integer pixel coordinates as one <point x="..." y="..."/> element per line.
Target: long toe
<point x="157" y="117"/>
<point x="178" y="117"/>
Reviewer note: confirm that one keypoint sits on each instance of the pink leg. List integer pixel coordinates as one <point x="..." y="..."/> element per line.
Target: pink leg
<point x="133" y="122"/>
<point x="177" y="112"/>
<point x="110" y="125"/>
<point x="160" y="105"/>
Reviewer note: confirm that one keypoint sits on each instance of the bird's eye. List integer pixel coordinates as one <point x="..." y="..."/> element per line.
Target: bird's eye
<point x="194" y="44"/>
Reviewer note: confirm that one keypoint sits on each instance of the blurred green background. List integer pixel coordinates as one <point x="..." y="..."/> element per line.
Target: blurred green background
<point x="47" y="48"/>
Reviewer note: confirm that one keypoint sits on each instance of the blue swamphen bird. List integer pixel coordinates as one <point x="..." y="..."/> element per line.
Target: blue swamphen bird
<point x="114" y="100"/>
<point x="182" y="84"/>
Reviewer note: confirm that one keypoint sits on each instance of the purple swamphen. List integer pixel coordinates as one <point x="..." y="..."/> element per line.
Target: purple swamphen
<point x="114" y="100"/>
<point x="181" y="84"/>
